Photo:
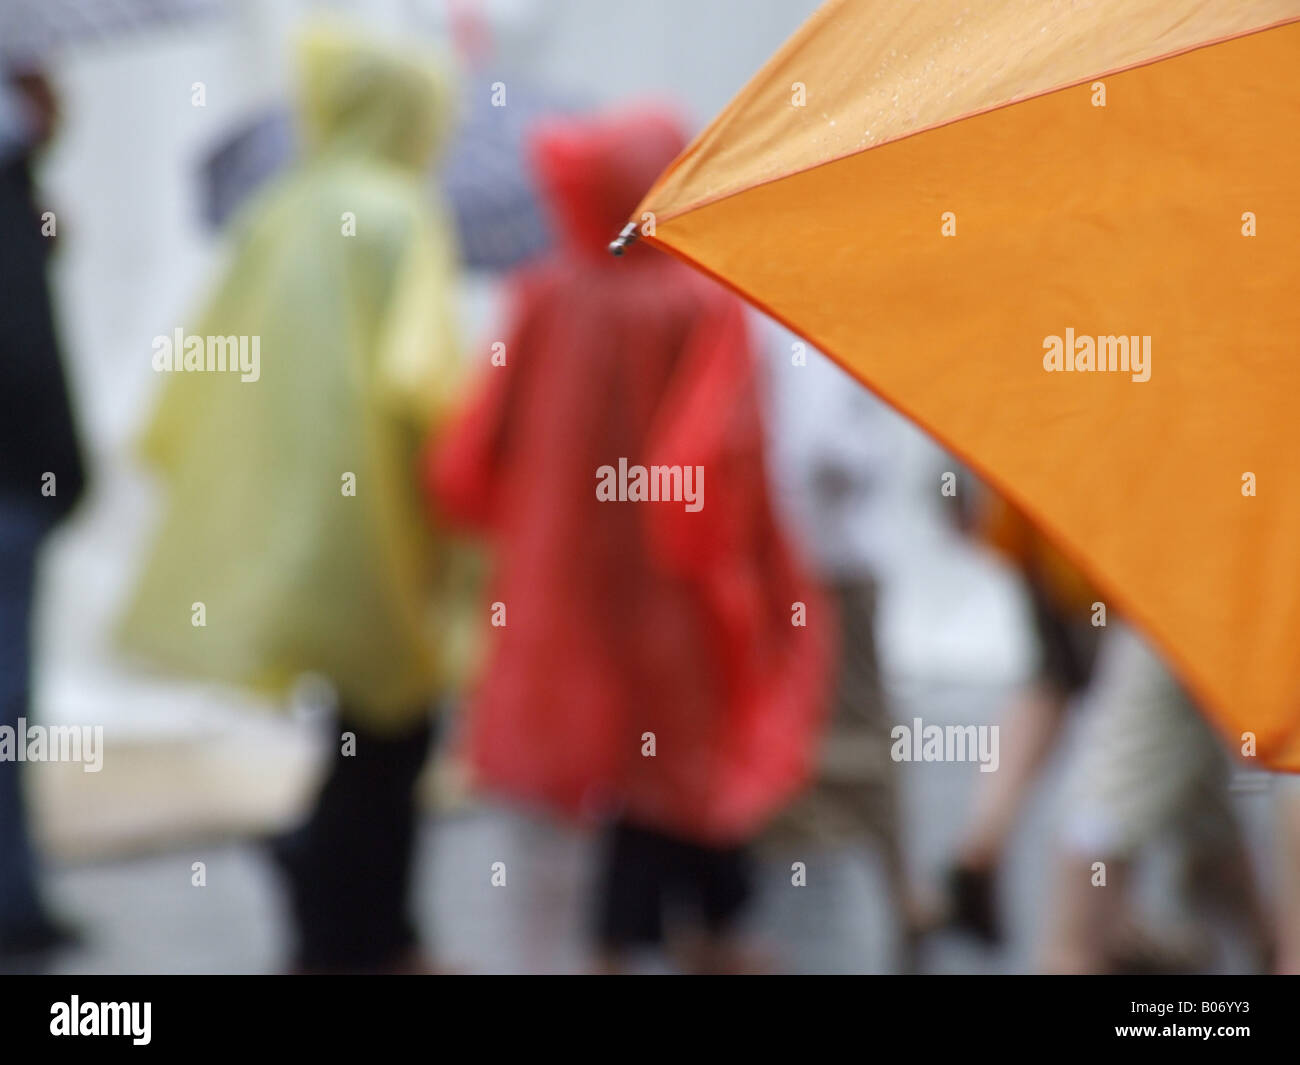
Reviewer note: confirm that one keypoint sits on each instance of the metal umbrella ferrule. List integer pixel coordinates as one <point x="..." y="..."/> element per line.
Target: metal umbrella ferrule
<point x="625" y="239"/>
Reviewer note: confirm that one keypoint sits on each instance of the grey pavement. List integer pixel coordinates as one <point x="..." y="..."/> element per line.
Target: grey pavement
<point x="143" y="915"/>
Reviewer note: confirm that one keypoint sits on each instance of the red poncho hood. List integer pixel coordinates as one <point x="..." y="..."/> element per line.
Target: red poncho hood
<point x="594" y="172"/>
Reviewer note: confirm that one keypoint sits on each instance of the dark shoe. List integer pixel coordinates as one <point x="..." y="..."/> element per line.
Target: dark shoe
<point x="36" y="936"/>
<point x="973" y="905"/>
<point x="342" y="922"/>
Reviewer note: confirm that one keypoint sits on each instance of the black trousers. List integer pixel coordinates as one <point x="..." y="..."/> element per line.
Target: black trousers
<point x="349" y="866"/>
<point x="647" y="876"/>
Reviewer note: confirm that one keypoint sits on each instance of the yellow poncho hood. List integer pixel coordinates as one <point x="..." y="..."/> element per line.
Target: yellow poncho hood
<point x="358" y="97"/>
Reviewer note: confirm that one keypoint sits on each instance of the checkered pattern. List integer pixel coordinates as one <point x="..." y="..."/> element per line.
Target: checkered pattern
<point x="485" y="177"/>
<point x="29" y="29"/>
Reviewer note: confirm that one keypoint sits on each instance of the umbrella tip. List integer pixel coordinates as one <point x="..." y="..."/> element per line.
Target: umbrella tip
<point x="624" y="240"/>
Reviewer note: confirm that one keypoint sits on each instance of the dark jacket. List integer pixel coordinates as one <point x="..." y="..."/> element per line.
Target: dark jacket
<point x="37" y="434"/>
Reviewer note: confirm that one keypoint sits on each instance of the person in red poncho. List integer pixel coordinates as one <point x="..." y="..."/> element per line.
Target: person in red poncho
<point x="657" y="659"/>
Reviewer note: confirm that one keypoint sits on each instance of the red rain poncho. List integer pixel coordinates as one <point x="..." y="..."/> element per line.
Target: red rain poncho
<point x="623" y="618"/>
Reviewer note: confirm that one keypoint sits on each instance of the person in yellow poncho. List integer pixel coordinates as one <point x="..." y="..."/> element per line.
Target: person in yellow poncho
<point x="294" y="540"/>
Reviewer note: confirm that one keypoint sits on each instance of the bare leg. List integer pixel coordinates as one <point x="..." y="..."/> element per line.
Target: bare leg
<point x="1075" y="941"/>
<point x="1288" y="831"/>
<point x="1029" y="731"/>
<point x="1095" y="929"/>
<point x="916" y="912"/>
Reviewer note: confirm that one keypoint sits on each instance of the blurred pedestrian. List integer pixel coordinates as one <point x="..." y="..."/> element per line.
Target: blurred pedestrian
<point x="836" y="455"/>
<point x="657" y="656"/>
<point x="1066" y="636"/>
<point x="1147" y="770"/>
<point x="41" y="469"/>
<point x="294" y="538"/>
<point x="1288" y="851"/>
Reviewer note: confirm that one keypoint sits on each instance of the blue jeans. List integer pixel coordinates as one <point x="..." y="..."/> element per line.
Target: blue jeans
<point x="21" y="531"/>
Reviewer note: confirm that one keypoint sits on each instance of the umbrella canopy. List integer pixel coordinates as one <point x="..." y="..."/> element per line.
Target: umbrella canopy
<point x="1062" y="238"/>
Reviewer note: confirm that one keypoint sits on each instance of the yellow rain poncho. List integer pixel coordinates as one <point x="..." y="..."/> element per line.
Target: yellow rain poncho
<point x="293" y="514"/>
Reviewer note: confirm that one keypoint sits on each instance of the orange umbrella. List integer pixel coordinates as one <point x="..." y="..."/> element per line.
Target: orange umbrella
<point x="1064" y="239"/>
